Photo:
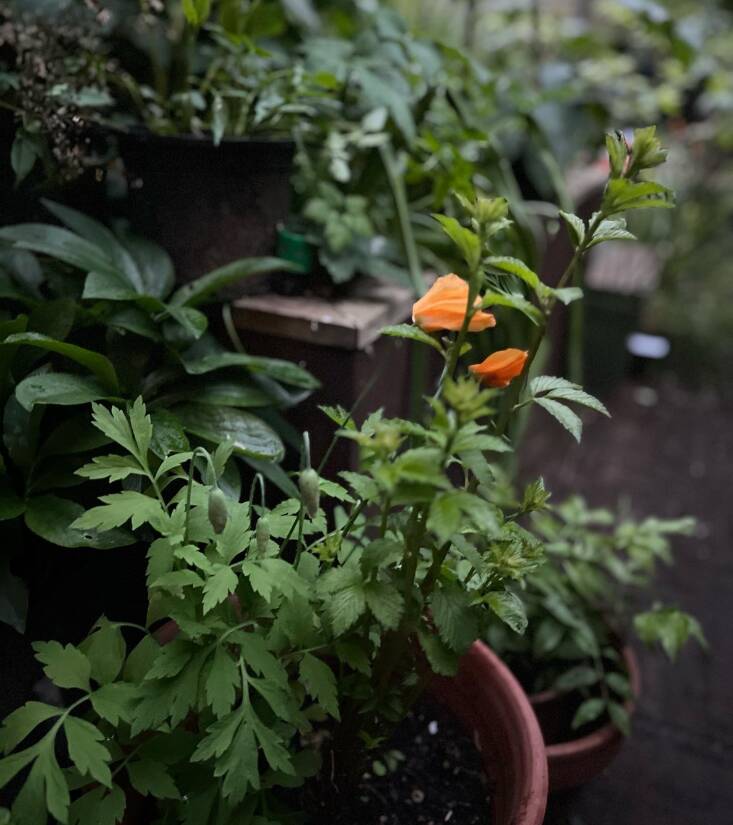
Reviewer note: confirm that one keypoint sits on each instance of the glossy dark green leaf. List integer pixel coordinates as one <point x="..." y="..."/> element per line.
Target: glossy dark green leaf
<point x="197" y="291"/>
<point x="50" y="517"/>
<point x="95" y="362"/>
<point x="249" y="434"/>
<point x="59" y="388"/>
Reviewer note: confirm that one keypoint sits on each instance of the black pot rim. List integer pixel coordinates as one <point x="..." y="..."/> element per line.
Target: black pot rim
<point x="141" y="134"/>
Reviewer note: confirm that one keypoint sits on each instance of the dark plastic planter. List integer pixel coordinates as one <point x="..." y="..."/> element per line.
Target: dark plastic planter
<point x="491" y="703"/>
<point x="207" y="205"/>
<point x="575" y="762"/>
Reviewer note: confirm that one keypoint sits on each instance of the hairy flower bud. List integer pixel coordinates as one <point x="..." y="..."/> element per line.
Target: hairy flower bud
<point x="310" y="491"/>
<point x="218" y="514"/>
<point x="262" y="534"/>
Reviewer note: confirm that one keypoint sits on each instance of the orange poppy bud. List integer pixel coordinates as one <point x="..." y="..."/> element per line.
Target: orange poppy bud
<point x="443" y="307"/>
<point x="500" y="367"/>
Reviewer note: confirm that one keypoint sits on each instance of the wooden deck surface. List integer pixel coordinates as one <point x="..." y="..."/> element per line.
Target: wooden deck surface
<point x="672" y="458"/>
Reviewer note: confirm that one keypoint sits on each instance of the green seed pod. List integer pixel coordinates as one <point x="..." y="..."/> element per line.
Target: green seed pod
<point x="218" y="514"/>
<point x="262" y="534"/>
<point x="310" y="491"/>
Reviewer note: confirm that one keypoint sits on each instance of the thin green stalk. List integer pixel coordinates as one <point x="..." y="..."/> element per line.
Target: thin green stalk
<point x="399" y="194"/>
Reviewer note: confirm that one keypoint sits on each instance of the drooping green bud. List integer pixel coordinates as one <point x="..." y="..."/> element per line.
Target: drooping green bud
<point x="262" y="534"/>
<point x="218" y="513"/>
<point x="310" y="491"/>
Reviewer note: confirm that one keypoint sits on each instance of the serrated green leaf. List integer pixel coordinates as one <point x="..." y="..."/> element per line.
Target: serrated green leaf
<point x="385" y="602"/>
<point x="66" y="666"/>
<point x="514" y="266"/>
<point x="218" y="586"/>
<point x="440" y="658"/>
<point x="512" y="301"/>
<point x="575" y="226"/>
<point x="151" y="778"/>
<point x="18" y="724"/>
<point x="563" y="414"/>
<point x="454" y="619"/>
<point x="509" y="608"/>
<point x="105" y="648"/>
<point x="320" y="682"/>
<point x="111" y="467"/>
<point x="99" y="806"/>
<point x="86" y="750"/>
<point x="119" y="508"/>
<point x="114" y="701"/>
<point x="467" y="241"/>
<point x="412" y="333"/>
<point x="221" y="682"/>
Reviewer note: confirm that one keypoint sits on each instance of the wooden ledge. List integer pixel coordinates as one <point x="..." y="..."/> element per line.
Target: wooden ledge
<point x="351" y="322"/>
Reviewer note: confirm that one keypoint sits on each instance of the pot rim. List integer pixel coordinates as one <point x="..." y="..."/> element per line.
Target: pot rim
<point x="486" y="696"/>
<point x="142" y="134"/>
<point x="606" y="734"/>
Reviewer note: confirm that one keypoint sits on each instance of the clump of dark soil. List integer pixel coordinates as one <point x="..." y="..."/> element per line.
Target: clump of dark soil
<point x="439" y="780"/>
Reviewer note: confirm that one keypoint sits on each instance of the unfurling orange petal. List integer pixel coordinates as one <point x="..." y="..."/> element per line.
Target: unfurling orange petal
<point x="443" y="307"/>
<point x="500" y="367"/>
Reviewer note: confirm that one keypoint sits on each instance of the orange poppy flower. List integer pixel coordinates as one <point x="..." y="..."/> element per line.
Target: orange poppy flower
<point x="500" y="367"/>
<point x="443" y="307"/>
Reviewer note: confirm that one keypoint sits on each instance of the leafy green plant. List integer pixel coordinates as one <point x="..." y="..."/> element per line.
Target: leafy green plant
<point x="91" y="314"/>
<point x="297" y="640"/>
<point x="582" y="605"/>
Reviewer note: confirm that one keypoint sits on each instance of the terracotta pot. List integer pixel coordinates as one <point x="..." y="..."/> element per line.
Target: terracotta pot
<point x="573" y="763"/>
<point x="490" y="702"/>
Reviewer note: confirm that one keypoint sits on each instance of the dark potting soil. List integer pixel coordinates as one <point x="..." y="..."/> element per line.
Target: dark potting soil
<point x="439" y="780"/>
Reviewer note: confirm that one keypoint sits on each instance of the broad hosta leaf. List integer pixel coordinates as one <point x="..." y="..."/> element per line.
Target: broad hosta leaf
<point x="413" y="333"/>
<point x="223" y="392"/>
<point x="59" y="388"/>
<point x="58" y="243"/>
<point x="102" y="238"/>
<point x="51" y="518"/>
<point x="197" y="291"/>
<point x="284" y="371"/>
<point x="248" y="433"/>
